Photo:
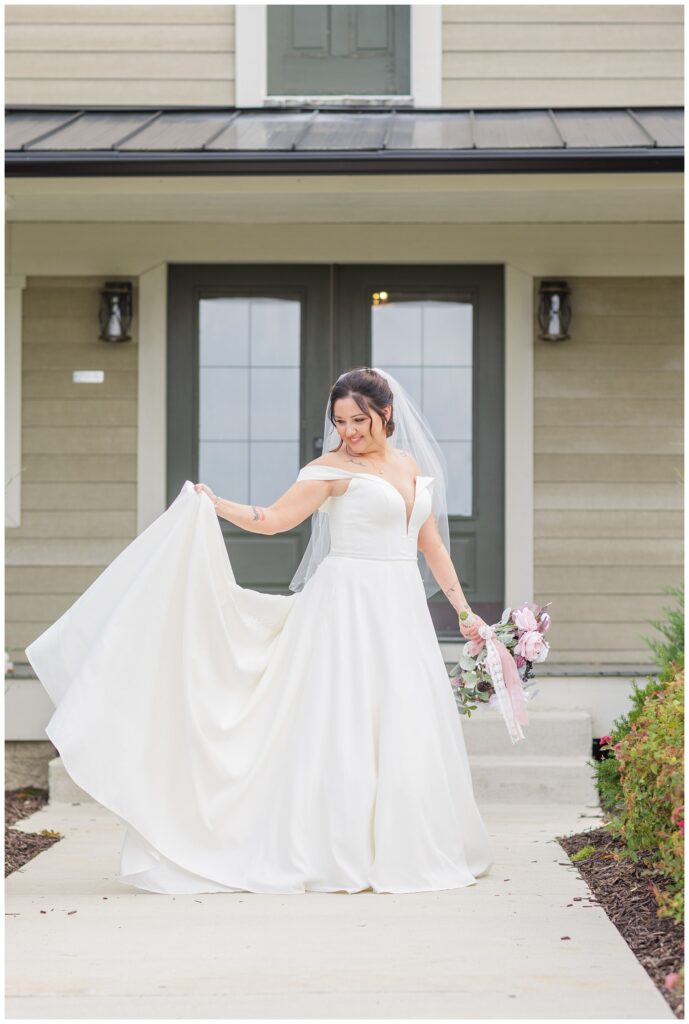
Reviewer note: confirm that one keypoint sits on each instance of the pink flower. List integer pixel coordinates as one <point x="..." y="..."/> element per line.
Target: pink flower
<point x="530" y="645"/>
<point x="680" y="825"/>
<point x="605" y="739"/>
<point x="519" y="661"/>
<point x="670" y="979"/>
<point x="525" y="620"/>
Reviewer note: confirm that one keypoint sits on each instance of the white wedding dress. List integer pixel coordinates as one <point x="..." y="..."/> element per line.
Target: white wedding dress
<point x="261" y="742"/>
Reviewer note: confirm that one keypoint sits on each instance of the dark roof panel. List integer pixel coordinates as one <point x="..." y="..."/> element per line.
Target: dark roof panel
<point x="89" y="131"/>
<point x="56" y="141"/>
<point x="20" y="129"/>
<point x="354" y="131"/>
<point x="596" y="128"/>
<point x="177" y="131"/>
<point x="665" y="125"/>
<point x="432" y="131"/>
<point x="262" y="132"/>
<point x="531" y="129"/>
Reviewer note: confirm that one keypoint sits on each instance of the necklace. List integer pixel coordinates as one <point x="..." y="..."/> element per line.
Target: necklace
<point x="354" y="455"/>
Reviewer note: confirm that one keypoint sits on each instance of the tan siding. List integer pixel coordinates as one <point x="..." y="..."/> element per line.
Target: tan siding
<point x="118" y="14"/>
<point x="78" y="457"/>
<point x="568" y="55"/>
<point x="608" y="470"/>
<point x="133" y="54"/>
<point x="493" y="55"/>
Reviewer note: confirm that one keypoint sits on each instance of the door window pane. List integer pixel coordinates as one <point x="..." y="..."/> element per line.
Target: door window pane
<point x="338" y="49"/>
<point x="427" y="344"/>
<point x="248" y="412"/>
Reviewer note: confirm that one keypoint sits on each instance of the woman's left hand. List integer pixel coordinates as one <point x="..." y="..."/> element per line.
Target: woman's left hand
<point x="469" y="627"/>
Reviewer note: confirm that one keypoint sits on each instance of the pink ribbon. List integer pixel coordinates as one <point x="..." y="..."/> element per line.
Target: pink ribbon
<point x="513" y="683"/>
<point x="507" y="683"/>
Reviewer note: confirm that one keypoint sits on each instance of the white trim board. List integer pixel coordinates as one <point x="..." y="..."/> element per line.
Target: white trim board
<point x="14" y="287"/>
<point x="252" y="67"/>
<point x="151" y="439"/>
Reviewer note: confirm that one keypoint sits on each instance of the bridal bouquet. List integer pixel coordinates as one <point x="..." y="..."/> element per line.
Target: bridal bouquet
<point x="496" y="668"/>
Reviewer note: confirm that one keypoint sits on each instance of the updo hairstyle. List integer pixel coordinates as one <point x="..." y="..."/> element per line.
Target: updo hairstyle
<point x="370" y="391"/>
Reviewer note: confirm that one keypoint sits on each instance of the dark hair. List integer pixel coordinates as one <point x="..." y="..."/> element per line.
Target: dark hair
<point x="370" y="391"/>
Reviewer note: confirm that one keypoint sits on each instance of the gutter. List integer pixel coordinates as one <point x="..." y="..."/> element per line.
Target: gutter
<point x="58" y="164"/>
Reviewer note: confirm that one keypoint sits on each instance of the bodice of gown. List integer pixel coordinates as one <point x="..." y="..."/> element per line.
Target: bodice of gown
<point x="370" y="519"/>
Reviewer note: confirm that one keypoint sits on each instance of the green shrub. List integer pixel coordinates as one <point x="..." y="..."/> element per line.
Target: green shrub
<point x="669" y="656"/>
<point x="670" y="653"/>
<point x="606" y="770"/>
<point x="650" y="759"/>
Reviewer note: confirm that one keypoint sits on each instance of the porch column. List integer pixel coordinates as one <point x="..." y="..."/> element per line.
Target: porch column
<point x="519" y="437"/>
<point x="151" y="397"/>
<point x="14" y="286"/>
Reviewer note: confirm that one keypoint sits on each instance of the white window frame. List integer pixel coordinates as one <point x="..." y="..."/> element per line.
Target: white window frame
<point x="251" y="64"/>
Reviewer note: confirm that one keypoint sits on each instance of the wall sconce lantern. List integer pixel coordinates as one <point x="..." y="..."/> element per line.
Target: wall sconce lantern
<point x="115" y="313"/>
<point x="554" y="310"/>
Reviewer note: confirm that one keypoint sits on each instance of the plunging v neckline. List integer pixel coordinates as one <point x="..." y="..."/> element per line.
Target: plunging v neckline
<point x="407" y="521"/>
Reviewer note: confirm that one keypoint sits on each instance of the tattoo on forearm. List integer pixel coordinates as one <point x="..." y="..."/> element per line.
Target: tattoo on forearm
<point x="259" y="513"/>
<point x="455" y="584"/>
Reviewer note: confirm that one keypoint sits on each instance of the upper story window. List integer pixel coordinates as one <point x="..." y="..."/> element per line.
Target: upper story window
<point x="339" y="55"/>
<point x="338" y="49"/>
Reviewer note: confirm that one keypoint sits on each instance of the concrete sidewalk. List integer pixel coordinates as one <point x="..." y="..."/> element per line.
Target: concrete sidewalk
<point x="491" y="950"/>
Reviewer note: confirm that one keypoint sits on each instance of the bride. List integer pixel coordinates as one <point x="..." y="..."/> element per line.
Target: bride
<point x="281" y="743"/>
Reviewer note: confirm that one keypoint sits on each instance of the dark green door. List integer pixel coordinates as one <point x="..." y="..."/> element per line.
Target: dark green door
<point x="338" y="49"/>
<point x="439" y="331"/>
<point x="253" y="351"/>
<point x="249" y="366"/>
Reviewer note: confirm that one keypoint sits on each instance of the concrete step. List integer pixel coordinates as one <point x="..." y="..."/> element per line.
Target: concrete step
<point x="549" y="733"/>
<point x="547" y="766"/>
<point x="61" y="788"/>
<point x="533" y="780"/>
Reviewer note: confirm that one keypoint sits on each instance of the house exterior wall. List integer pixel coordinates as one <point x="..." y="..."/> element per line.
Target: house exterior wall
<point x="607" y="465"/>
<point x="579" y="55"/>
<point x="492" y="55"/>
<point x="172" y="54"/>
<point x="608" y="469"/>
<point x="78" y="495"/>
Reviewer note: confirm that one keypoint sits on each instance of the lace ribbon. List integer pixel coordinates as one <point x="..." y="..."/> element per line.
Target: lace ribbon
<point x="509" y="692"/>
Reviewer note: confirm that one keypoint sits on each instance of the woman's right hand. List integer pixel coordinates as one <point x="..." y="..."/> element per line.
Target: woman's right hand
<point x="206" y="488"/>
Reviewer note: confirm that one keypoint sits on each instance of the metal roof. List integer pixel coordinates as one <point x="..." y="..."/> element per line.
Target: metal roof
<point x="126" y="140"/>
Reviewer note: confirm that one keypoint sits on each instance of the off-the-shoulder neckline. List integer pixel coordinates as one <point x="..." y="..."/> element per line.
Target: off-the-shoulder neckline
<point x="373" y="476"/>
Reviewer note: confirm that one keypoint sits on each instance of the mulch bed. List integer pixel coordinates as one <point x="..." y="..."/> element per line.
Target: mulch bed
<point x="624" y="891"/>
<point x="21" y="847"/>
